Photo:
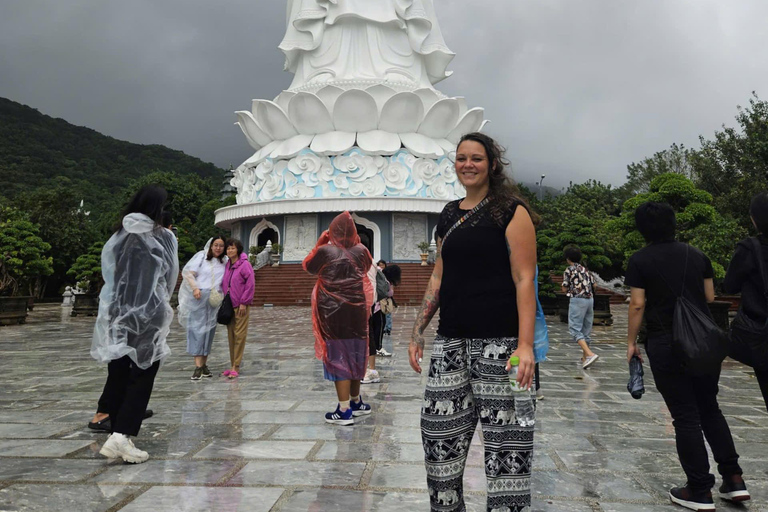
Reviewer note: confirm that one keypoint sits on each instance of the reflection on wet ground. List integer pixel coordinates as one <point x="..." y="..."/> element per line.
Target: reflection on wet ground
<point x="259" y="443"/>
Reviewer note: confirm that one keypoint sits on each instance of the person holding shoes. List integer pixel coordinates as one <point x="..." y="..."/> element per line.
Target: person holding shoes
<point x="579" y="285"/>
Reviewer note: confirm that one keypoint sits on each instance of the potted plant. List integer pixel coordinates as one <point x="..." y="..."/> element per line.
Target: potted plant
<point x="22" y="260"/>
<point x="87" y="273"/>
<point x="254" y="251"/>
<point x="275" y="254"/>
<point x="424" y="248"/>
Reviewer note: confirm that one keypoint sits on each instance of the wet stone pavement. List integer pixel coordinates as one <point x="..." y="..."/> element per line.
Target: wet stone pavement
<point x="259" y="443"/>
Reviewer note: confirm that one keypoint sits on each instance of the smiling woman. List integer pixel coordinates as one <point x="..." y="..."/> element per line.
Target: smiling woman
<point x="485" y="294"/>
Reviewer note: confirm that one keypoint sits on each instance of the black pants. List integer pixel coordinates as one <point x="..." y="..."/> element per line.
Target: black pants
<point x="749" y="349"/>
<point x="692" y="402"/>
<point x="376" y="331"/>
<point x="126" y="394"/>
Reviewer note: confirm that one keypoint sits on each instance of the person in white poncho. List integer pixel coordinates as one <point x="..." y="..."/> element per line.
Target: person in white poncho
<point x="140" y="267"/>
<point x="199" y="300"/>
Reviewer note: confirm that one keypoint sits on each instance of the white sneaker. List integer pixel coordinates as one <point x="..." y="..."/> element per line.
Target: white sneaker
<point x="588" y="362"/>
<point x="120" y="446"/>
<point x="383" y="352"/>
<point x="371" y="377"/>
<point x="539" y="395"/>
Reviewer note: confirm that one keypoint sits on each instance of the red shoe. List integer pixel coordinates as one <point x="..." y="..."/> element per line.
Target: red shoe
<point x="226" y="373"/>
<point x="233" y="374"/>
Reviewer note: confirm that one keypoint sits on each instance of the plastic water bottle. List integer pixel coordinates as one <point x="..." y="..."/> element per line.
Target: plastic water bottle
<point x="524" y="413"/>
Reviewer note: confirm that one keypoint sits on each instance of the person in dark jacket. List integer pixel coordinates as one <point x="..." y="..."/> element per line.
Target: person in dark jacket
<point x="744" y="277"/>
<point x="656" y="274"/>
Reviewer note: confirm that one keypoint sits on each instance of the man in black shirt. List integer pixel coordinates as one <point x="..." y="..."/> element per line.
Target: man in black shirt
<point x="748" y="344"/>
<point x="656" y="275"/>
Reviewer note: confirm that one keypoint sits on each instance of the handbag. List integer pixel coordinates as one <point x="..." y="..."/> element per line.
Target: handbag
<point x="215" y="298"/>
<point x="387" y="305"/>
<point x="742" y="322"/>
<point x="226" y="311"/>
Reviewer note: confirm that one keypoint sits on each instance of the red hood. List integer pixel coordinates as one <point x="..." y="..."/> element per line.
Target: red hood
<point x="343" y="232"/>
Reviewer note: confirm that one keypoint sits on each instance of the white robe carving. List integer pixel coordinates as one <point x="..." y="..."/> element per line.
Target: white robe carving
<point x="397" y="40"/>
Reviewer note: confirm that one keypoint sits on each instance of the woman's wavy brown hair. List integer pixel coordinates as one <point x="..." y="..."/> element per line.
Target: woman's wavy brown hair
<point x="502" y="190"/>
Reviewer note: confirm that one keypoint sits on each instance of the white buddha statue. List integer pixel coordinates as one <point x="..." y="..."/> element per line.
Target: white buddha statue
<point x="392" y="40"/>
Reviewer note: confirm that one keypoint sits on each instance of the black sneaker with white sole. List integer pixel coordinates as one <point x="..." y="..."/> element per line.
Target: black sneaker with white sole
<point x="734" y="489"/>
<point x="206" y="372"/>
<point x="689" y="499"/>
<point x="198" y="374"/>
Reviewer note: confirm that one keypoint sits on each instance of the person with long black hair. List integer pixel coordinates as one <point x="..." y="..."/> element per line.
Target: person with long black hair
<point x="140" y="267"/>
<point x="483" y="285"/>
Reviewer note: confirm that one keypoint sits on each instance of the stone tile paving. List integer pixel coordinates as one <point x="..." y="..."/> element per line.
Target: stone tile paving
<point x="260" y="444"/>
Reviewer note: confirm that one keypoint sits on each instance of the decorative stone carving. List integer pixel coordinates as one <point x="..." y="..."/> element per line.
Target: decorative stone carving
<point x="396" y="40"/>
<point x="300" y="236"/>
<point x="353" y="174"/>
<point x="409" y="231"/>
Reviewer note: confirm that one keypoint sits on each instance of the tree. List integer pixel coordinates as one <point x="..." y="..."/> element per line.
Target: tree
<point x="22" y="252"/>
<point x="55" y="207"/>
<point x="698" y="223"/>
<point x="579" y="216"/>
<point x="734" y="166"/>
<point x="87" y="269"/>
<point x="676" y="159"/>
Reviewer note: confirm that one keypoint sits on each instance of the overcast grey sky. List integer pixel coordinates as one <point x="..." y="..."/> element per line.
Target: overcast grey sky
<point x="575" y="89"/>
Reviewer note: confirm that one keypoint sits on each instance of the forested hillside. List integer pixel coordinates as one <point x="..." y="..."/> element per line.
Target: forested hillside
<point x="34" y="148"/>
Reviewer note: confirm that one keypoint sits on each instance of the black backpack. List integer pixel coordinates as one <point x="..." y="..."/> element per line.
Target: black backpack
<point x="698" y="339"/>
<point x="382" y="285"/>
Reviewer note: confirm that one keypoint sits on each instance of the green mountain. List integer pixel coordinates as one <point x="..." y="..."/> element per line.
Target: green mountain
<point x="35" y="148"/>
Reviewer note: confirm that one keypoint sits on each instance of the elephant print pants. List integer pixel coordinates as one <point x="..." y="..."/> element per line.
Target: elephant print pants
<point x="468" y="380"/>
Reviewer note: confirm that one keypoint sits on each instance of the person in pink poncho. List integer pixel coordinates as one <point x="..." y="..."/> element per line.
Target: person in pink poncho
<point x="341" y="304"/>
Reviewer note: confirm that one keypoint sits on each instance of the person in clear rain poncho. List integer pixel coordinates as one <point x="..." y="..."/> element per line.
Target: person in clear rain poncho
<point x="341" y="303"/>
<point x="199" y="299"/>
<point x="140" y="268"/>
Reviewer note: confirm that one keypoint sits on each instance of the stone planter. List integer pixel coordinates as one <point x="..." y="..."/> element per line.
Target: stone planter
<point x="275" y="258"/>
<point x="424" y="257"/>
<point x="86" y="305"/>
<point x="719" y="310"/>
<point x="548" y="304"/>
<point x="13" y="310"/>
<point x="603" y="314"/>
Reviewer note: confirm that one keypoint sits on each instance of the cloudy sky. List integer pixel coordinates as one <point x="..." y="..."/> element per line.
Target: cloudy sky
<point x="575" y="89"/>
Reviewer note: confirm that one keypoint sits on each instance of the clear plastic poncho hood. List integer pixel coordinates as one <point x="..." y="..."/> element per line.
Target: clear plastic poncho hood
<point x="341" y="299"/>
<point x="140" y="267"/>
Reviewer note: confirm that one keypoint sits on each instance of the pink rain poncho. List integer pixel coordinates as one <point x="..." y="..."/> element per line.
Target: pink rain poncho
<point x="341" y="300"/>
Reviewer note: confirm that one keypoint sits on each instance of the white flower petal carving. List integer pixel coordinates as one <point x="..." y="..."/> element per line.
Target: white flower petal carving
<point x="299" y="191"/>
<point x="421" y="145"/>
<point x="255" y="135"/>
<point x="283" y="99"/>
<point x="312" y="168"/>
<point x="440" y="189"/>
<point x="396" y="176"/>
<point x="378" y="142"/>
<point x="380" y="93"/>
<point x="291" y="147"/>
<point x="447" y="171"/>
<point x="440" y="119"/>
<point x="402" y="113"/>
<point x="355" y="111"/>
<point x="309" y="114"/>
<point x="428" y="96"/>
<point x="328" y="95"/>
<point x="471" y="122"/>
<point x="425" y="170"/>
<point x="273" y="120"/>
<point x="333" y="143"/>
<point x="341" y="182"/>
<point x="375" y="186"/>
<point x="262" y="154"/>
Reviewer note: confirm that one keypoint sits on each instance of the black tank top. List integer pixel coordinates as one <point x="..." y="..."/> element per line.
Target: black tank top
<point x="477" y="294"/>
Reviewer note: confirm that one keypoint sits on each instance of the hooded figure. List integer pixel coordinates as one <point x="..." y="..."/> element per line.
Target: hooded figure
<point x="341" y="300"/>
<point x="140" y="266"/>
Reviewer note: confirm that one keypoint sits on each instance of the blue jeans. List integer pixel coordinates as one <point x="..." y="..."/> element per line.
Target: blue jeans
<point x="581" y="313"/>
<point x="388" y="325"/>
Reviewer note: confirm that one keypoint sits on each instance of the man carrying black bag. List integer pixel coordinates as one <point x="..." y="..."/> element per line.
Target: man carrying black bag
<point x="748" y="275"/>
<point x="658" y="275"/>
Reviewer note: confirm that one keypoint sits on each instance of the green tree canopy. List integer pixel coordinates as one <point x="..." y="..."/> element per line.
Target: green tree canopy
<point x="22" y="253"/>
